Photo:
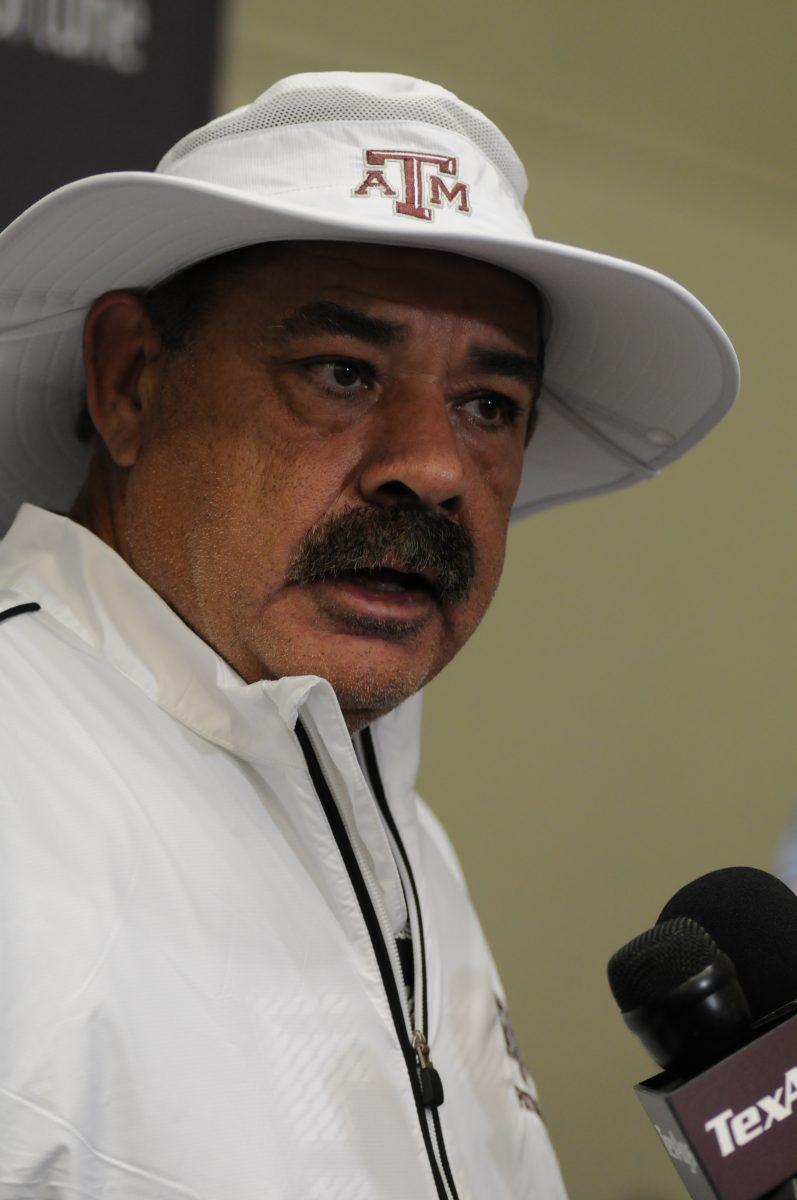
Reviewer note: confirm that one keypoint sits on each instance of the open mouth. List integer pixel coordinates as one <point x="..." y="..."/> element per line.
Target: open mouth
<point x="388" y="581"/>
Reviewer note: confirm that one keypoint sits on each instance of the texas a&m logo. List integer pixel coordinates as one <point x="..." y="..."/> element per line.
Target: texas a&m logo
<point x="421" y="186"/>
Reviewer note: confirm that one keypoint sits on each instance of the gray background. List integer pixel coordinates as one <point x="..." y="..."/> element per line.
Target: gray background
<point x="624" y="718"/>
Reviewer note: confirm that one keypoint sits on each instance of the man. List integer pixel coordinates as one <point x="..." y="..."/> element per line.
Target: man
<point x="325" y="362"/>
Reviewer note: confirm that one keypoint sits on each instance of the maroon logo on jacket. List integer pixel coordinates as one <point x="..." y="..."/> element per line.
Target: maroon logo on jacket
<point x="525" y="1098"/>
<point x="417" y="183"/>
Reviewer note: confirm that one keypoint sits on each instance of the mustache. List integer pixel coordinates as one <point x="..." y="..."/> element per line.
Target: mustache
<point x="409" y="540"/>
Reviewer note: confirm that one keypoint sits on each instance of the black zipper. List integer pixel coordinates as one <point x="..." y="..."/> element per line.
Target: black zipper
<point x="368" y="911"/>
<point x="434" y="1084"/>
<point x="18" y="609"/>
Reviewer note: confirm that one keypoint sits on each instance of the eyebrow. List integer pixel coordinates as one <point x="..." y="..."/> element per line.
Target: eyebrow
<point x="506" y="363"/>
<point x="324" y="316"/>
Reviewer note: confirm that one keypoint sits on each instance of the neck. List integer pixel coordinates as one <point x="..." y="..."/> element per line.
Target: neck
<point x="97" y="504"/>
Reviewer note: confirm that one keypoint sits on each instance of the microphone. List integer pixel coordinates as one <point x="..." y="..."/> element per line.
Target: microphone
<point x="680" y="995"/>
<point x="753" y="916"/>
<point x="711" y="991"/>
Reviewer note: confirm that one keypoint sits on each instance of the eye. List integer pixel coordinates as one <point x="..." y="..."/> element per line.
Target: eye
<point x="493" y="409"/>
<point x="341" y="375"/>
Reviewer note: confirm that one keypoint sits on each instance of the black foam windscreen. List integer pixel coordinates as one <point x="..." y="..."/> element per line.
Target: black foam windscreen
<point x="752" y="916"/>
<point x="650" y="966"/>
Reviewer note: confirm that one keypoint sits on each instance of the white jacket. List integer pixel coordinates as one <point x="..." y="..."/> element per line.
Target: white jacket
<point x="198" y="901"/>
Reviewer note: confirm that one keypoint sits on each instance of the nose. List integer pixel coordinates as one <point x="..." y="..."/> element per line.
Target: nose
<point x="414" y="456"/>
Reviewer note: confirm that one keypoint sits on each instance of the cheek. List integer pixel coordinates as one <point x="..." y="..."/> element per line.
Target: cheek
<point x="490" y="563"/>
<point x="500" y="475"/>
<point x="249" y="499"/>
<point x="490" y="507"/>
<point x="489" y="542"/>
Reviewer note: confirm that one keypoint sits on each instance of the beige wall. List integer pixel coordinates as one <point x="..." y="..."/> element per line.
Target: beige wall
<point x="623" y="720"/>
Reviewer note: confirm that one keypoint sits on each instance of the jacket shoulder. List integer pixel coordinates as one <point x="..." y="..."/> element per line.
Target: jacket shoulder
<point x="35" y="654"/>
<point x="16" y="607"/>
<point x="28" y="629"/>
<point x="17" y="637"/>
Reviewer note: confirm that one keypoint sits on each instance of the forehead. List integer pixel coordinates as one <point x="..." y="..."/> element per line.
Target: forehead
<point x="278" y="277"/>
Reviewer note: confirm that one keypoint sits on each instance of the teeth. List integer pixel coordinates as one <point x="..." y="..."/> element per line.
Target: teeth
<point x="380" y="585"/>
<point x="386" y="580"/>
<point x="377" y="581"/>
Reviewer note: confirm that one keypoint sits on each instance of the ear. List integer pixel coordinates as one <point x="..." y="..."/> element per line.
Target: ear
<point x="120" y="353"/>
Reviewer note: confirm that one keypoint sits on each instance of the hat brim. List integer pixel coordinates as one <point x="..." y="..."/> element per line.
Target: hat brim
<point x="637" y="370"/>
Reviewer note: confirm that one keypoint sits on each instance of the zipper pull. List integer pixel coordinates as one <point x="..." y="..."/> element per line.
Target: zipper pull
<point x="431" y="1083"/>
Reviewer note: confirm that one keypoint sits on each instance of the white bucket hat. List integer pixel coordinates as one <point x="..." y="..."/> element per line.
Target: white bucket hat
<point x="636" y="369"/>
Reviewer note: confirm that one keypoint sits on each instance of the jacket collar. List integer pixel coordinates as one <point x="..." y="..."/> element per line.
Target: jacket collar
<point x="89" y="592"/>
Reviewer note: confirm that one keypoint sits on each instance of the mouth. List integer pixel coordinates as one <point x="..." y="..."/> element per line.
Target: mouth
<point x="389" y="581"/>
<point x="385" y="592"/>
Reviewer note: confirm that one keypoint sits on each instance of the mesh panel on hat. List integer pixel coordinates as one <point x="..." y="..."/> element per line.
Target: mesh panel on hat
<point x="305" y="102"/>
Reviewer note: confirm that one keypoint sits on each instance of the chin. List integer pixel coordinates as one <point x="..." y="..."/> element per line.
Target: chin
<point x="370" y="674"/>
<point x="367" y="694"/>
<point x="372" y="696"/>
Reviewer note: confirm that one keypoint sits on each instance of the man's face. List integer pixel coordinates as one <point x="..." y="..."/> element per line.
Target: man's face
<point x="340" y="406"/>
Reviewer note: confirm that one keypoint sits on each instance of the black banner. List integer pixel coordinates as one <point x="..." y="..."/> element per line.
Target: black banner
<point x="98" y="85"/>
